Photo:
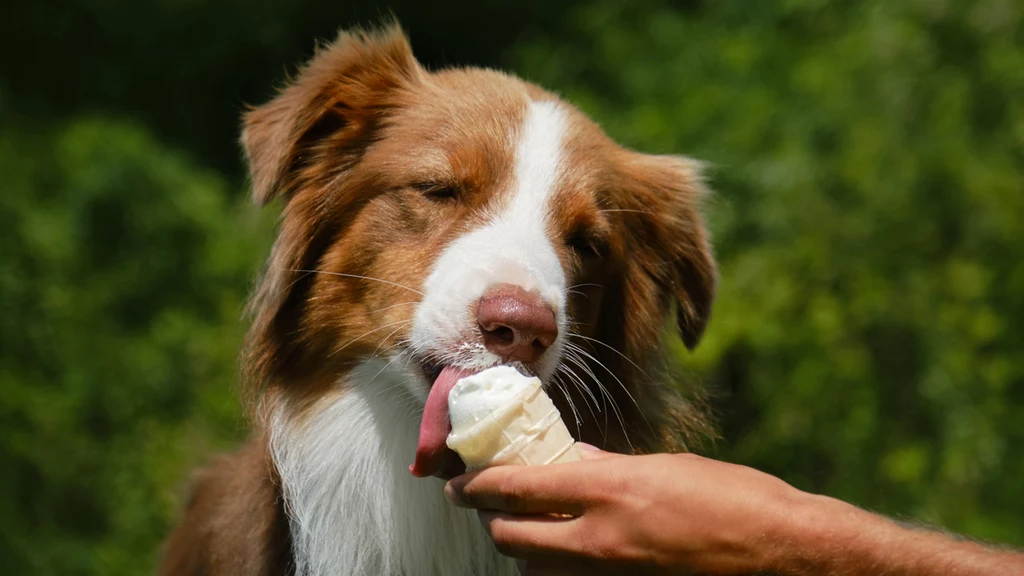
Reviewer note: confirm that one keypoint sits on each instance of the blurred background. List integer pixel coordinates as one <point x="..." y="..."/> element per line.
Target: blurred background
<point x="868" y="156"/>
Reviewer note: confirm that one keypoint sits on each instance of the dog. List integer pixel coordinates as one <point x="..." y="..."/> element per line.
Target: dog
<point x="435" y="224"/>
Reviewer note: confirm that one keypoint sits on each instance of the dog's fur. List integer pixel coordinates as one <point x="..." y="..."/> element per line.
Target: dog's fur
<point x="406" y="193"/>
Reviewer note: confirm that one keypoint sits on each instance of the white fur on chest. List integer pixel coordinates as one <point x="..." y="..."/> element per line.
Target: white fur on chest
<point x="353" y="506"/>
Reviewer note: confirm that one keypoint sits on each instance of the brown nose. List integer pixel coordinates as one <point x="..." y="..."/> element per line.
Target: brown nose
<point x="516" y="324"/>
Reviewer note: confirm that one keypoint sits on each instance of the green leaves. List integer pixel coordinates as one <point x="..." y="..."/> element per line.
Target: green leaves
<point x="123" y="274"/>
<point x="870" y="194"/>
<point x="868" y="162"/>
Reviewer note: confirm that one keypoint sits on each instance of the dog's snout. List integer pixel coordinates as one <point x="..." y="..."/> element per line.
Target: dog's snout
<point x="516" y="324"/>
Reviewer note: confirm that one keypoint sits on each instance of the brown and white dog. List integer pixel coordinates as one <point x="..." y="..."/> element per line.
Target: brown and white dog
<point x="434" y="224"/>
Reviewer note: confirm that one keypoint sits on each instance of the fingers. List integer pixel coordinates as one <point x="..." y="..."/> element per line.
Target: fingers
<point x="555" y="489"/>
<point x="590" y="452"/>
<point x="531" y="537"/>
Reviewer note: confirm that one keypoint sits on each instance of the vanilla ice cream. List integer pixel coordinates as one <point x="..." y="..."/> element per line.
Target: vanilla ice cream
<point x="499" y="416"/>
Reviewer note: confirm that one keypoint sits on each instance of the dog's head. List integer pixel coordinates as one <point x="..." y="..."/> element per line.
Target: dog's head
<point x="449" y="221"/>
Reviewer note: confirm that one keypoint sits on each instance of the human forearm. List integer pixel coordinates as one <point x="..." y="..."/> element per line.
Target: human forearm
<point x="829" y="537"/>
<point x="683" y="514"/>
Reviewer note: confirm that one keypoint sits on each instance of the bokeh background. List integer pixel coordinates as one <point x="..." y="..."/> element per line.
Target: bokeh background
<point x="869" y="219"/>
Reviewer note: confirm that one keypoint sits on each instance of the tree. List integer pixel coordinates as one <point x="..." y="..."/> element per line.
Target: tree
<point x="870" y="172"/>
<point x="123" y="273"/>
<point x="867" y="158"/>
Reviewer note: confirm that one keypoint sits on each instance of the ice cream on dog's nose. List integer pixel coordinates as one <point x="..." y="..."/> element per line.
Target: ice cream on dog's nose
<point x="499" y="416"/>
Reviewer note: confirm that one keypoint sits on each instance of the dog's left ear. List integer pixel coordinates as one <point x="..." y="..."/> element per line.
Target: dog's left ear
<point x="330" y="110"/>
<point x="668" y="253"/>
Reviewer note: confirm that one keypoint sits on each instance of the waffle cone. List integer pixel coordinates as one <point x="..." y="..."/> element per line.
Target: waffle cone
<point x="527" y="432"/>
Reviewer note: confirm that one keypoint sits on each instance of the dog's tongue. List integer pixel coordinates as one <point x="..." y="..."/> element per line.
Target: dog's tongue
<point x="432" y="454"/>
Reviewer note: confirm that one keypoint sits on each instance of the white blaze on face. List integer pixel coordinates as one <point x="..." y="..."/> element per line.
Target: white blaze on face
<point x="512" y="247"/>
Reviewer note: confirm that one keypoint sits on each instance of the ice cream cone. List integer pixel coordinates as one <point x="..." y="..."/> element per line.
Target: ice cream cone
<point x="526" y="430"/>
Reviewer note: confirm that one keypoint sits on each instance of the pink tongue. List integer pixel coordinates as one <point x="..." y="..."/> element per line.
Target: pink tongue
<point x="431" y="451"/>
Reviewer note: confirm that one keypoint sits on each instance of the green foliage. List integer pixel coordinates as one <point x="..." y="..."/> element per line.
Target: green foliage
<point x="66" y="57"/>
<point x="868" y="159"/>
<point x="123" y="272"/>
<point x="869" y="162"/>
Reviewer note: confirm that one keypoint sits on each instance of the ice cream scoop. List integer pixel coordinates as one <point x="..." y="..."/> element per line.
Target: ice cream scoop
<point x="499" y="416"/>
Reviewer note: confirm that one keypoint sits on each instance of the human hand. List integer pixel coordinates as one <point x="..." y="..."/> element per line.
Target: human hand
<point x="656" y="514"/>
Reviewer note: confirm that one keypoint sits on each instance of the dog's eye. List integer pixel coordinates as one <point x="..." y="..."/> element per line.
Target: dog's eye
<point x="438" y="191"/>
<point x="584" y="246"/>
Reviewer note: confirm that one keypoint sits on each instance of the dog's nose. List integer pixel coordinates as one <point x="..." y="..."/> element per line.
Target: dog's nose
<point x="516" y="324"/>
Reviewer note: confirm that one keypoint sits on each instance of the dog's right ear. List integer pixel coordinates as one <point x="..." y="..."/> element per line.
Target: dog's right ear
<point x="333" y="107"/>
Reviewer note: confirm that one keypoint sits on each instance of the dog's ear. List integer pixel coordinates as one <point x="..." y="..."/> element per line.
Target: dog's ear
<point x="667" y="252"/>
<point x="301" y="146"/>
<point x="333" y="106"/>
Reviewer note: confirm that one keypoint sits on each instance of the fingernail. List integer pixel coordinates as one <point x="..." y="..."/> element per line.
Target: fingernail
<point x="588" y="452"/>
<point x="452" y="496"/>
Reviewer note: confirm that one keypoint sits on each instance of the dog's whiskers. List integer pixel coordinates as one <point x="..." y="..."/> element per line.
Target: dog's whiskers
<point x="572" y="346"/>
<point x="405" y="352"/>
<point x="571" y="357"/>
<point x="616" y="378"/>
<point x="385" y="339"/>
<point x="612" y="348"/>
<point x="350" y="342"/>
<point x="580" y="385"/>
<point x="606" y="398"/>
<point x="608" y="210"/>
<point x="584" y="284"/>
<point x="359" y="277"/>
<point x="568" y="397"/>
<point x="393" y="306"/>
<point x="604" y="413"/>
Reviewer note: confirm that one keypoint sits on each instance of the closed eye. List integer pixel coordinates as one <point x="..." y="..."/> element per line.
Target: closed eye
<point x="438" y="191"/>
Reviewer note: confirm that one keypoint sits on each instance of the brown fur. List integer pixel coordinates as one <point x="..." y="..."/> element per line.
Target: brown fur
<point x="641" y="215"/>
<point x="335" y="146"/>
<point x="234" y="522"/>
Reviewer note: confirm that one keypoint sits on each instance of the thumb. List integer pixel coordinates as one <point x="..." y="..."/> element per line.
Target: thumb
<point x="590" y="452"/>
